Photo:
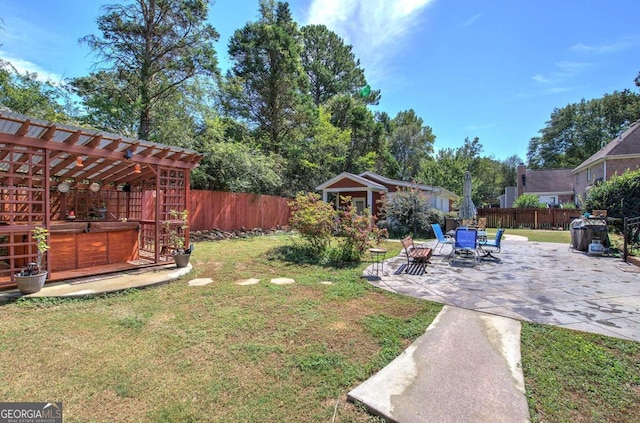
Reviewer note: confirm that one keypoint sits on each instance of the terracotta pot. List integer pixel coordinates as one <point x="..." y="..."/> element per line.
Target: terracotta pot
<point x="182" y="260"/>
<point x="32" y="283"/>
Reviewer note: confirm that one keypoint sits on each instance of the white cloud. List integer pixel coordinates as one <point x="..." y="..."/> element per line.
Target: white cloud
<point x="375" y="28"/>
<point x="23" y="66"/>
<point x="602" y="48"/>
<point x="564" y="71"/>
<point x="540" y="78"/>
<point x="471" y="20"/>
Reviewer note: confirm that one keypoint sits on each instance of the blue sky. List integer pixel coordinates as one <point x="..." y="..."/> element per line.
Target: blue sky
<point x="495" y="69"/>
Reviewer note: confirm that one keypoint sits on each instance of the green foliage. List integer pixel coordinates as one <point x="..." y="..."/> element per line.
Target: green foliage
<point x="176" y="231"/>
<point x="40" y="235"/>
<point x="408" y="209"/>
<point x="236" y="167"/>
<point x="410" y="143"/>
<point x="577" y="131"/>
<point x="330" y="65"/>
<point x="313" y="219"/>
<point x="24" y="93"/>
<point x="357" y="232"/>
<point x="620" y="196"/>
<point x="265" y="83"/>
<point x="152" y="50"/>
<point x="316" y="221"/>
<point x="319" y="158"/>
<point x="528" y="201"/>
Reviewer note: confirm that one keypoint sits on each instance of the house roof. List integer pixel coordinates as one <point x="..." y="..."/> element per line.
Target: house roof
<point x="405" y="184"/>
<point x="548" y="181"/>
<point x="625" y="145"/>
<point x="367" y="183"/>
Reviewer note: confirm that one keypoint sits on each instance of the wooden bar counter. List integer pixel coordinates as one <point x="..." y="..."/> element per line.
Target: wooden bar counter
<point x="82" y="244"/>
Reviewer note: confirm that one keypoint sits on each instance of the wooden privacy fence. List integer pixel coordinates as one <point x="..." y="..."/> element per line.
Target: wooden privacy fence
<point x="229" y="211"/>
<point x="529" y="218"/>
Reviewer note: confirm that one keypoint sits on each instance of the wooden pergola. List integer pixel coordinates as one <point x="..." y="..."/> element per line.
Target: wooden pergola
<point x="120" y="190"/>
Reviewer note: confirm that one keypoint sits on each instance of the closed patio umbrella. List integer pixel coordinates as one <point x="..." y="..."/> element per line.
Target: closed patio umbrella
<point x="467" y="208"/>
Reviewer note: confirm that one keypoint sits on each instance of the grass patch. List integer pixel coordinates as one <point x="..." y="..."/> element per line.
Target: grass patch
<point x="266" y="353"/>
<point x="221" y="352"/>
<point x="574" y="377"/>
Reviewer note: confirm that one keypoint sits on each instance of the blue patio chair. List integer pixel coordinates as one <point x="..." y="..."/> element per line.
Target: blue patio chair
<point x="465" y="244"/>
<point x="488" y="247"/>
<point x="442" y="238"/>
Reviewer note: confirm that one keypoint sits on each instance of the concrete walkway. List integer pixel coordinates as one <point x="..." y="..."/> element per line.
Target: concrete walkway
<point x="138" y="278"/>
<point x="466" y="367"/>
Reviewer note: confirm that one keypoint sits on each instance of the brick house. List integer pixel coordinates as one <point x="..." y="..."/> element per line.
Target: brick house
<point x="368" y="188"/>
<point x="552" y="186"/>
<point x="558" y="186"/>
<point x="617" y="157"/>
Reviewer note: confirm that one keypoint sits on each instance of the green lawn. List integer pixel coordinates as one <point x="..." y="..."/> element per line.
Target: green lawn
<point x="266" y="353"/>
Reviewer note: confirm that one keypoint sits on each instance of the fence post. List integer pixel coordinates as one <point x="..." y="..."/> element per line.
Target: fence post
<point x="624" y="237"/>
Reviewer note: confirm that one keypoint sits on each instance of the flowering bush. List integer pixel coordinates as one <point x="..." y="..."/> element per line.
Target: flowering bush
<point x="316" y="222"/>
<point x="359" y="232"/>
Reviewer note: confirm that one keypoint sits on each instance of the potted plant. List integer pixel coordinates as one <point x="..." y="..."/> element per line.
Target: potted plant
<point x="181" y="252"/>
<point x="31" y="279"/>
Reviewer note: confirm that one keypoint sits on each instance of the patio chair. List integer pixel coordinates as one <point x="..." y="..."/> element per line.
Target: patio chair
<point x="418" y="255"/>
<point x="482" y="223"/>
<point x="466" y="244"/>
<point x="442" y="238"/>
<point x="489" y="247"/>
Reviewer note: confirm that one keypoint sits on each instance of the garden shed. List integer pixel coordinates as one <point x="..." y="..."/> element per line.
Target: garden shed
<point x="105" y="199"/>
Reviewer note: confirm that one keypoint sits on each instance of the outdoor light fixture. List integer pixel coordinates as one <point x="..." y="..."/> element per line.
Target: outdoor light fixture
<point x="128" y="154"/>
<point x="136" y="168"/>
<point x="79" y="162"/>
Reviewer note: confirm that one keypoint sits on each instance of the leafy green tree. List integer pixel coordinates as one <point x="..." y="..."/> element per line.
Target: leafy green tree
<point x="151" y="49"/>
<point x="368" y="147"/>
<point x="265" y="84"/>
<point x="331" y="66"/>
<point x="527" y="201"/>
<point x="24" y="93"/>
<point x="320" y="157"/>
<point x="577" y="131"/>
<point x="410" y="143"/>
<point x="231" y="163"/>
<point x="509" y="170"/>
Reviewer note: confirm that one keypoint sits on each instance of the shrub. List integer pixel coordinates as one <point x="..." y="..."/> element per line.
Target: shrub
<point x="407" y="209"/>
<point x="620" y="196"/>
<point x="528" y="201"/>
<point x="313" y="219"/>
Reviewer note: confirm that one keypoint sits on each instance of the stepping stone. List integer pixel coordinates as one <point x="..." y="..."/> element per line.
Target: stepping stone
<point x="199" y="281"/>
<point x="245" y="282"/>
<point x="282" y="281"/>
<point x="326" y="283"/>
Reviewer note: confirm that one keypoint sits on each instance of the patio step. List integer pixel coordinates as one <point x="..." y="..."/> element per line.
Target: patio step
<point x="464" y="368"/>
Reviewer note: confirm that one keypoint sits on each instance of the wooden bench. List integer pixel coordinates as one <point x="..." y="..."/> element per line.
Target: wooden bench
<point x="416" y="254"/>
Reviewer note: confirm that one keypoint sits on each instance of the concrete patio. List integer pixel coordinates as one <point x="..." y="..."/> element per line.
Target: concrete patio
<point x="532" y="281"/>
